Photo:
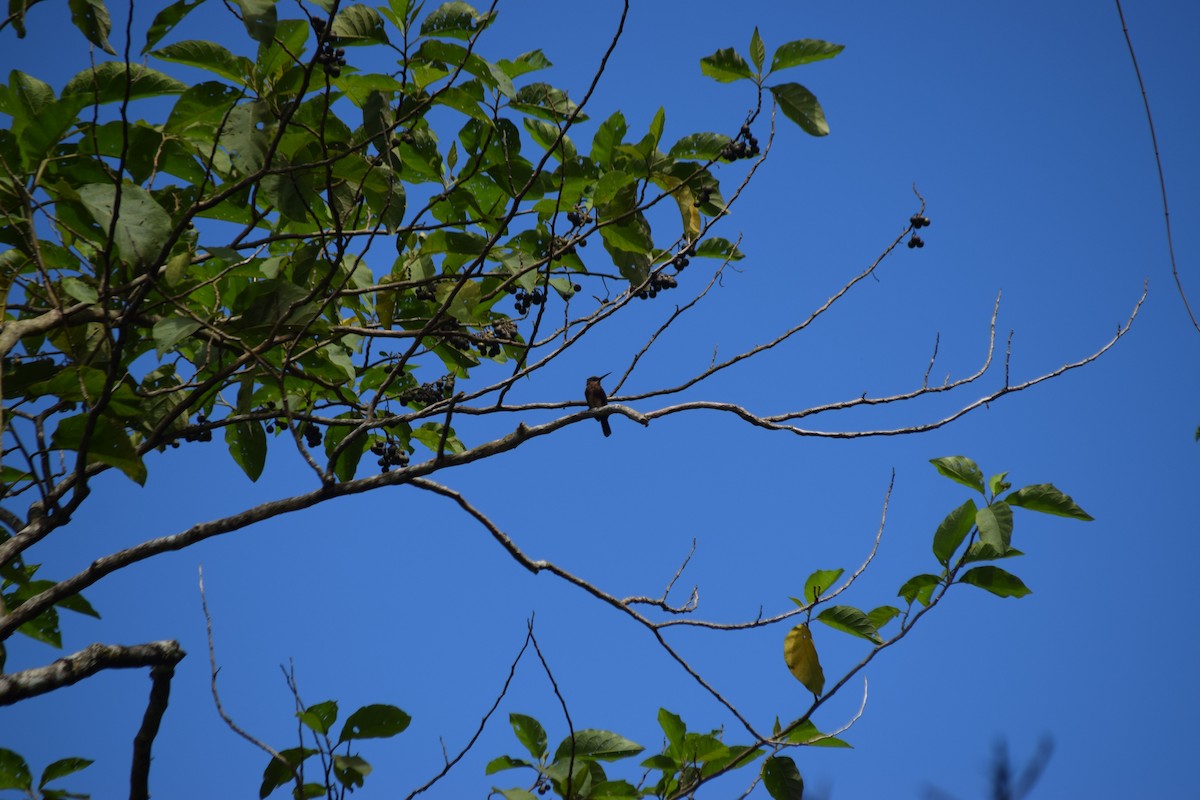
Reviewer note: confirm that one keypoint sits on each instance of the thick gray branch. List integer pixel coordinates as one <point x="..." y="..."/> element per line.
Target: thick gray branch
<point x="87" y="662"/>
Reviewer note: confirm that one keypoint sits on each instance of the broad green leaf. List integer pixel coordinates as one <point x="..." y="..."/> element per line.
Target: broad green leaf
<point x="260" y="19"/>
<point x="850" y="620"/>
<point x="167" y="19"/>
<point x="717" y="247"/>
<point x="546" y="102"/>
<point x="882" y="615"/>
<point x="501" y="763"/>
<point x="202" y="105"/>
<point x="14" y="772"/>
<point x="952" y="530"/>
<point x="377" y="721"/>
<point x="83" y="292"/>
<point x="960" y="469"/>
<point x="320" y="716"/>
<point x="1044" y="497"/>
<point x="631" y="234"/>
<point x="820" y="582"/>
<point x="61" y="768"/>
<point x="801" y="657"/>
<point x="530" y="733"/>
<point x="170" y="331"/>
<point x="806" y="733"/>
<point x="359" y="24"/>
<point x="208" y="56"/>
<point x="597" y="744"/>
<point x="997" y="485"/>
<point x="995" y="524"/>
<point x="44" y="628"/>
<point x="278" y="774"/>
<point x="919" y="588"/>
<point x="609" y="135"/>
<point x="92" y="19"/>
<point x="803" y="51"/>
<point x="516" y="794"/>
<point x="77" y="604"/>
<point x="248" y="445"/>
<point x="673" y="727"/>
<point x="350" y="770"/>
<point x="702" y="146"/>
<point x="779" y="773"/>
<point x="454" y="20"/>
<point x="982" y="551"/>
<point x="996" y="581"/>
<point x="142" y="228"/>
<point x="725" y="65"/>
<point x="801" y="107"/>
<point x="758" y="51"/>
<point x="108" y="444"/>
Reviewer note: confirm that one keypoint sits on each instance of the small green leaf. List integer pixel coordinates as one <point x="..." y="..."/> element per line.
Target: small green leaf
<point x="277" y="774"/>
<point x="377" y="721"/>
<point x="997" y="485"/>
<point x="820" y="582"/>
<point x="14" y="772"/>
<point x="919" y="588"/>
<point x="982" y="551"/>
<point x="996" y="581"/>
<point x="454" y="20"/>
<point x="167" y="19"/>
<point x="674" y="728"/>
<point x="207" y="56"/>
<point x="803" y="51"/>
<point x="63" y="767"/>
<point x="359" y="24"/>
<point x="806" y="733"/>
<point x="882" y="615"/>
<point x="1044" y="497"/>
<point x="960" y="469"/>
<point x="758" y="51"/>
<point x="995" y="524"/>
<point x="516" y="794"/>
<point x="725" y="65"/>
<point x="530" y="733"/>
<point x="780" y="774"/>
<point x="801" y="107"/>
<point x="850" y="620"/>
<point x="952" y="530"/>
<point x="501" y="763"/>
<point x="92" y="19"/>
<point x="717" y="247"/>
<point x="319" y="717"/>
<point x="801" y="657"/>
<point x="248" y="445"/>
<point x="350" y="770"/>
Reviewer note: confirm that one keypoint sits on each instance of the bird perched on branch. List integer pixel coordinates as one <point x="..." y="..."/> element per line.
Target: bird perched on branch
<point x="595" y="396"/>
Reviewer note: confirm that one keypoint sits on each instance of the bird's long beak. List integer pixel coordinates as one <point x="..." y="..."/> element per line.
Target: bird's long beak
<point x="605" y="375"/>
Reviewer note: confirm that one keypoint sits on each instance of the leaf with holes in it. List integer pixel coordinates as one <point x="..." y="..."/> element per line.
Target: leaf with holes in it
<point x="376" y="721"/>
<point x="801" y="657"/>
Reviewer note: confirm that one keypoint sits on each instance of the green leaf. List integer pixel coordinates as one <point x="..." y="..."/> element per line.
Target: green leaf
<point x="248" y="445"/>
<point x="109" y="444"/>
<point x="546" y="102"/>
<point x="758" y="51"/>
<point x="208" y="56"/>
<point x="850" y="620"/>
<point x="803" y="51"/>
<point x="806" y="733"/>
<point x="350" y="770"/>
<point x="516" y="794"/>
<point x="608" y="136"/>
<point x="674" y="729"/>
<point x="597" y="744"/>
<point x="717" y="247"/>
<point x="882" y="615"/>
<point x="725" y="66"/>
<point x="142" y="228"/>
<point x="530" y="733"/>
<point x="702" y="146"/>
<point x="170" y="331"/>
<point x="455" y="20"/>
<point x="801" y="657"/>
<point x="501" y="763"/>
<point x="377" y="721"/>
<point x="203" y="105"/>
<point x="995" y="524"/>
<point x="63" y="767"/>
<point x="260" y="19"/>
<point x="779" y="773"/>
<point x="982" y="551"/>
<point x="952" y="530"/>
<point x="92" y="19"/>
<point x="277" y="774"/>
<point x="14" y="772"/>
<point x="319" y="717"/>
<point x="359" y="24"/>
<point x="996" y="581"/>
<point x="820" y="582"/>
<point x="997" y="484"/>
<point x="166" y="20"/>
<point x="919" y="588"/>
<point x="1044" y="497"/>
<point x="801" y="107"/>
<point x="77" y="604"/>
<point x="960" y="469"/>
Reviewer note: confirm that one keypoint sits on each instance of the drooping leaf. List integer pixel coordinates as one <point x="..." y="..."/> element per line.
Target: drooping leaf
<point x="995" y="524"/>
<point x="780" y="774"/>
<point x="803" y="51"/>
<point x="801" y="107"/>
<point x="530" y="733"/>
<point x="1046" y="498"/>
<point x="996" y="581"/>
<point x="725" y="65"/>
<point x="919" y="588"/>
<point x="960" y="469"/>
<point x="952" y="530"/>
<point x="850" y="620"/>
<point x="807" y="733"/>
<point x="376" y="721"/>
<point x="350" y="770"/>
<point x="166" y="20"/>
<point x="882" y="615"/>
<point x="279" y="773"/>
<point x="260" y="19"/>
<point x="248" y="445"/>
<point x="801" y="657"/>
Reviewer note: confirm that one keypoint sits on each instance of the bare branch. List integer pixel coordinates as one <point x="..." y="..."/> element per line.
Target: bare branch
<point x="71" y="669"/>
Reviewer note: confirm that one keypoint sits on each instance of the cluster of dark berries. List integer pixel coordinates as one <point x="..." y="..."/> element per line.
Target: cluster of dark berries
<point x="578" y="216"/>
<point x="744" y="145"/>
<point x="390" y="455"/>
<point x="659" y="282"/>
<point x="681" y="258"/>
<point x="428" y="393"/>
<point x="312" y="434"/>
<point x="702" y="195"/>
<point x="526" y="299"/>
<point x="197" y="436"/>
<point x="917" y="221"/>
<point x="425" y="292"/>
<point x="331" y="58"/>
<point x="562" y="247"/>
<point x="488" y="346"/>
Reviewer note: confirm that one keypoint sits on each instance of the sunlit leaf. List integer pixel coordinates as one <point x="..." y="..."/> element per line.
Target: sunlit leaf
<point x="803" y="51"/>
<point x="996" y="581"/>
<point x="1046" y="498"/>
<point x="952" y="530"/>
<point x="801" y="657"/>
<point x="530" y="733"/>
<point x="960" y="469"/>
<point x="850" y="620"/>
<point x="801" y="107"/>
<point x="725" y="65"/>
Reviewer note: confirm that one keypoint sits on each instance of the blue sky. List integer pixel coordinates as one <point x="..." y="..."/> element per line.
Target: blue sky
<point x="1022" y="126"/>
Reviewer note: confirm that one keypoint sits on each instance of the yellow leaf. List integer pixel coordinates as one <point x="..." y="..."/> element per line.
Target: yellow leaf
<point x="801" y="658"/>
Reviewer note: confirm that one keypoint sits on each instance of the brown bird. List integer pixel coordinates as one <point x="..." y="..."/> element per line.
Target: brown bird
<point x="595" y="396"/>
